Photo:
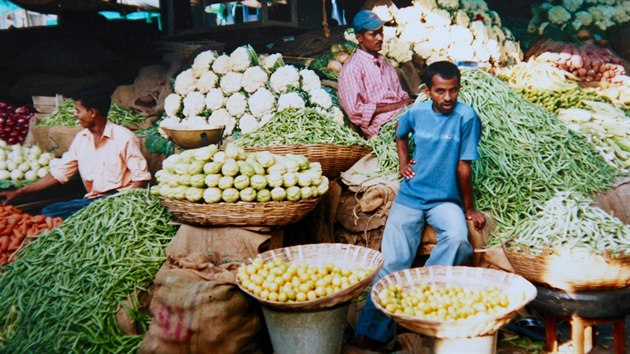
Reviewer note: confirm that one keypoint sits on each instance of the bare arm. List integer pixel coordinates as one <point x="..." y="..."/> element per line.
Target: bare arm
<point x="39" y="185"/>
<point x="139" y="184"/>
<point x="388" y="107"/>
<point x="464" y="179"/>
<point x="406" y="165"/>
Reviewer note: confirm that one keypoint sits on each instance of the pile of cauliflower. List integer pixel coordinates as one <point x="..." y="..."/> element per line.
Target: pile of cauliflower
<point x="24" y="163"/>
<point x="453" y="30"/>
<point x="212" y="176"/>
<point x="242" y="91"/>
<point x="574" y="15"/>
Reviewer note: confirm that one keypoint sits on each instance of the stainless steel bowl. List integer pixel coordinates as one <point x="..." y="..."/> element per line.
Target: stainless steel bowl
<point x="195" y="138"/>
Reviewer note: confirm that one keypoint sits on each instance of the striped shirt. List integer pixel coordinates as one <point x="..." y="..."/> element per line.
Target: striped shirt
<point x="364" y="82"/>
<point x="111" y="164"/>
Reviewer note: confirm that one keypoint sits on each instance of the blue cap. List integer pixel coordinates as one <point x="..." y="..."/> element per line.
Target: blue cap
<point x="366" y="20"/>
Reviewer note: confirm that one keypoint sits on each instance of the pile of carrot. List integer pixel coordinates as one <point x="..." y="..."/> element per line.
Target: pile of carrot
<point x="15" y="227"/>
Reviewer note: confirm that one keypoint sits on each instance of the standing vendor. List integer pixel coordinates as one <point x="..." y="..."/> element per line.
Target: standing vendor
<point x="106" y="155"/>
<point x="369" y="88"/>
<point x="436" y="190"/>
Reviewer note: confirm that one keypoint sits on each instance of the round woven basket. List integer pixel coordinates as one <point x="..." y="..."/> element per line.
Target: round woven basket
<point x="570" y="270"/>
<point x="342" y="255"/>
<point x="519" y="291"/>
<point x="333" y="158"/>
<point x="241" y="213"/>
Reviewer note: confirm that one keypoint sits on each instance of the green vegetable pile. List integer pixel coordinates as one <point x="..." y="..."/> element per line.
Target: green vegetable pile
<point x="62" y="292"/>
<point x="63" y="116"/>
<point x="155" y="142"/>
<point x="212" y="176"/>
<point x="303" y="126"/>
<point x="569" y="221"/>
<point x="553" y="101"/>
<point x="526" y="154"/>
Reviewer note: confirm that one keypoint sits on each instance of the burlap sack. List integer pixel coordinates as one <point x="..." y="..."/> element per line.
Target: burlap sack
<point x="198" y="309"/>
<point x="616" y="200"/>
<point x="494" y="258"/>
<point x="54" y="139"/>
<point x="371" y="239"/>
<point x="357" y="177"/>
<point x="379" y="196"/>
<point x="351" y="218"/>
<point x="146" y="95"/>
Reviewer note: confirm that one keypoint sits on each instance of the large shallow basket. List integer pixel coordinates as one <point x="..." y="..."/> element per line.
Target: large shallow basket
<point x="519" y="291"/>
<point x="241" y="213"/>
<point x="570" y="270"/>
<point x="343" y="255"/>
<point x="333" y="158"/>
<point x="195" y="138"/>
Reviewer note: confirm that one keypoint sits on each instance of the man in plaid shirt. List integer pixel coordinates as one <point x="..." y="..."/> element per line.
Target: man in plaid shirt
<point x="369" y="88"/>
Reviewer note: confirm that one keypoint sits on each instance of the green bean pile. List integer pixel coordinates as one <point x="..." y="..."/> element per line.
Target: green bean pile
<point x="301" y="126"/>
<point x="526" y="154"/>
<point x="63" y="116"/>
<point x="63" y="290"/>
<point x="569" y="221"/>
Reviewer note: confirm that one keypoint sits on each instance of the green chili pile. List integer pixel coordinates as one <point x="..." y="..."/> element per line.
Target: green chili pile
<point x="62" y="292"/>
<point x="569" y="221"/>
<point x="526" y="154"/>
<point x="63" y="116"/>
<point x="301" y="126"/>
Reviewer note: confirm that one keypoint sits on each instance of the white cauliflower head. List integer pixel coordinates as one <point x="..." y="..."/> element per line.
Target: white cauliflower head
<point x="219" y="117"/>
<point x="207" y="81"/>
<point x="229" y="127"/>
<point x="231" y="82"/>
<point x="321" y="98"/>
<point x="398" y="50"/>
<point x="185" y="82"/>
<point x="248" y="124"/>
<point x="572" y="5"/>
<point x="426" y="5"/>
<point x="170" y="122"/>
<point x="285" y="78"/>
<point x="449" y="4"/>
<point x="310" y="80"/>
<point x="479" y="30"/>
<point x="461" y="18"/>
<point x="336" y="114"/>
<point x="194" y="104"/>
<point x="215" y="99"/>
<point x="194" y="122"/>
<point x="172" y="104"/>
<point x="272" y="62"/>
<point x="261" y="102"/>
<point x="559" y="15"/>
<point x="222" y="65"/>
<point x="414" y="32"/>
<point x="265" y="119"/>
<point x="584" y="17"/>
<point x="254" y="78"/>
<point x="438" y="18"/>
<point x="236" y="104"/>
<point x="202" y="62"/>
<point x="290" y="100"/>
<point x="461" y="36"/>
<point x="409" y="14"/>
<point x="240" y="59"/>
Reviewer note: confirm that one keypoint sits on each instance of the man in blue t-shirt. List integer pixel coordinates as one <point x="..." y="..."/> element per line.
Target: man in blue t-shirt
<point x="436" y="190"/>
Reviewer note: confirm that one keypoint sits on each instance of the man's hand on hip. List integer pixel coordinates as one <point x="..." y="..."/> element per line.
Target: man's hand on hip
<point x="406" y="169"/>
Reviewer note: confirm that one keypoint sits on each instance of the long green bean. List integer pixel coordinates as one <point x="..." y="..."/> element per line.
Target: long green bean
<point x="63" y="290"/>
<point x="303" y="126"/>
<point x="526" y="154"/>
<point x="63" y="116"/>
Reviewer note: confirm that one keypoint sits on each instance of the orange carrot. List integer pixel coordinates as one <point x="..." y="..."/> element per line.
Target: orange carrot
<point x="4" y="243"/>
<point x="49" y="222"/>
<point x="3" y="258"/>
<point x="14" y="244"/>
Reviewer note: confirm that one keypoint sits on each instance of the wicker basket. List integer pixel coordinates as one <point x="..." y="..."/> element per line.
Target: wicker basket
<point x="333" y="158"/>
<point x="519" y="292"/>
<point x="240" y="213"/>
<point x="571" y="270"/>
<point x="343" y="255"/>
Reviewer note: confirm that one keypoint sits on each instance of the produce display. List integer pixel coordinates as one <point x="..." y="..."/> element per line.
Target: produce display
<point x="16" y="227"/>
<point x="588" y="62"/>
<point x="14" y="122"/>
<point x="606" y="127"/>
<point x="23" y="163"/>
<point x="208" y="175"/>
<point x="63" y="116"/>
<point x="455" y="30"/>
<point x="331" y="62"/>
<point x="242" y="92"/>
<point x="443" y="303"/>
<point x="569" y="221"/>
<point x="307" y="126"/>
<point x="61" y="293"/>
<point x="282" y="281"/>
<point x="525" y="154"/>
<point x="573" y="16"/>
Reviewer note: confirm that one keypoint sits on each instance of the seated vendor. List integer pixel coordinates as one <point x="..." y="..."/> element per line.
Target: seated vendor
<point x="106" y="155"/>
<point x="369" y="89"/>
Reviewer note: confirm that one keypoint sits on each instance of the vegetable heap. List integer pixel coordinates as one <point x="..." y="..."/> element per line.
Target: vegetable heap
<point x="63" y="116"/>
<point x="16" y="227"/>
<point x="331" y="62"/>
<point x="525" y="155"/>
<point x="22" y="163"/>
<point x="242" y="91"/>
<point x="308" y="126"/>
<point x="14" y="122"/>
<point x="212" y="176"/>
<point x="454" y="30"/>
<point x="569" y="221"/>
<point x="61" y="293"/>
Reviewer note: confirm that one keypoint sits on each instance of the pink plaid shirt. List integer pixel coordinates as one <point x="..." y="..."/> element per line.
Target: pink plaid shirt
<point x="364" y="82"/>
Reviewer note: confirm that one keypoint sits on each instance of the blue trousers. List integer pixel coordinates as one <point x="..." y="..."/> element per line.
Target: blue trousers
<point x="401" y="239"/>
<point x="66" y="208"/>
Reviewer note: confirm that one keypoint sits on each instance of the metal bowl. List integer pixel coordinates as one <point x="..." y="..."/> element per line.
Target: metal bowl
<point x="195" y="138"/>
